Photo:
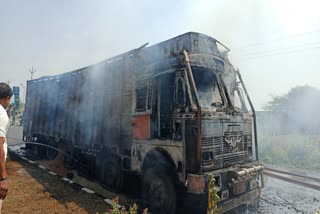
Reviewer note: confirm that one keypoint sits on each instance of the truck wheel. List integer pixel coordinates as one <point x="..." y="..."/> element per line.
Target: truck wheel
<point x="40" y="151"/>
<point x="112" y="174"/>
<point x="52" y="153"/>
<point x="158" y="192"/>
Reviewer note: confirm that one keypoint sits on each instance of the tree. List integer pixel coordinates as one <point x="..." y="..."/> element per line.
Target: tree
<point x="298" y="110"/>
<point x="277" y="103"/>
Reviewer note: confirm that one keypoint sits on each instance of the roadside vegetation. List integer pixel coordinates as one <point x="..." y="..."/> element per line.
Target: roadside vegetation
<point x="123" y="210"/>
<point x="289" y="129"/>
<point x="297" y="150"/>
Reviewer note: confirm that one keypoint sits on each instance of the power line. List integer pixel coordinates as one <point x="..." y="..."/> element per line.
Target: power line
<point x="279" y="38"/>
<point x="276" y="50"/>
<point x="285" y="52"/>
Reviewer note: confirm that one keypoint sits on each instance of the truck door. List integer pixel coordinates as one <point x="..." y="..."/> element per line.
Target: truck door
<point x="154" y="107"/>
<point x="162" y="106"/>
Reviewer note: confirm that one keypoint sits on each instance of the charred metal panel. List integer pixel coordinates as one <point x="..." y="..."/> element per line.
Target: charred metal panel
<point x="78" y="107"/>
<point x="60" y="110"/>
<point x="51" y="105"/>
<point x="78" y="98"/>
<point x="36" y="108"/>
<point x="191" y="146"/>
<point x="204" y="44"/>
<point x="96" y="81"/>
<point x="114" y="119"/>
<point x="140" y="149"/>
<point x="115" y="76"/>
<point x="40" y="119"/>
<point x="126" y="101"/>
<point x="127" y="77"/>
<point x="27" y="123"/>
<point x="225" y="143"/>
<point x="126" y="119"/>
<point x="117" y="103"/>
<point x="208" y="61"/>
<point x="66" y="97"/>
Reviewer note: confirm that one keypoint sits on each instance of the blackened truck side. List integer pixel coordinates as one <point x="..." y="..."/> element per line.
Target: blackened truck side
<point x="171" y="113"/>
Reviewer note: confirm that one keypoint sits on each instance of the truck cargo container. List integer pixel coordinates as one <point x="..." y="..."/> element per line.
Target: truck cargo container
<point x="171" y="113"/>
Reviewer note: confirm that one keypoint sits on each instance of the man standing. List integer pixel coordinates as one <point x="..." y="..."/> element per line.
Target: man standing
<point x="5" y="96"/>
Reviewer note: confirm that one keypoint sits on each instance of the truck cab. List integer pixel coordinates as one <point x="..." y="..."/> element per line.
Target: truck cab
<point x="194" y="122"/>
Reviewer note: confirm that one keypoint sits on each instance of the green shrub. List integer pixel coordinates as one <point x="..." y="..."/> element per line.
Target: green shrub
<point x="290" y="150"/>
<point x="122" y="210"/>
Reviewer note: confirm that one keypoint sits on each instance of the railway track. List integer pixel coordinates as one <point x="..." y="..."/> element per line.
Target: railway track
<point x="296" y="178"/>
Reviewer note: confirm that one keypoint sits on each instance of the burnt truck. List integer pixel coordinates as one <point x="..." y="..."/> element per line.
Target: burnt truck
<point x="171" y="113"/>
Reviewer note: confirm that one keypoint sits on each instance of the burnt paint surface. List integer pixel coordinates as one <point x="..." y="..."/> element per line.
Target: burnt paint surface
<point x="141" y="127"/>
<point x="96" y="105"/>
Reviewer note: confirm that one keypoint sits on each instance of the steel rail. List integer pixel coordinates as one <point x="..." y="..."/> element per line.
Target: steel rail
<point x="302" y="180"/>
<point x="292" y="173"/>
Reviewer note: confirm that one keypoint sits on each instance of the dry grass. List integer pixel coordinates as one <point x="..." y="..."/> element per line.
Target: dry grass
<point x="34" y="191"/>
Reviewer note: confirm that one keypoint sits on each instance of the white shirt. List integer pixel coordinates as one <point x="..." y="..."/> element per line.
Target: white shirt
<point x="4" y="125"/>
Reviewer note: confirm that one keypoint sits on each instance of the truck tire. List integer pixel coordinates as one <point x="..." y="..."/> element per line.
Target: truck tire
<point x="40" y="151"/>
<point x="158" y="192"/>
<point x="50" y="152"/>
<point x="113" y="176"/>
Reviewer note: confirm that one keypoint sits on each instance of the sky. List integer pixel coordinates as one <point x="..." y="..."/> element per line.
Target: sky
<point x="274" y="43"/>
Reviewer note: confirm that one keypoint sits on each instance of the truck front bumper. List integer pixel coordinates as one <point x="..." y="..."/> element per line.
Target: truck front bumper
<point x="197" y="203"/>
<point x="235" y="186"/>
<point x="241" y="199"/>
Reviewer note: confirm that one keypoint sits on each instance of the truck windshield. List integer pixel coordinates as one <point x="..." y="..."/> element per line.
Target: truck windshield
<point x="208" y="91"/>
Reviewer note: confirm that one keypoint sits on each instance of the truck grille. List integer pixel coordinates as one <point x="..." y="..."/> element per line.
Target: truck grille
<point x="222" y="151"/>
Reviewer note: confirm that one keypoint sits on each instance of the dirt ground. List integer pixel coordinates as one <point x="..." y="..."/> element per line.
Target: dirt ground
<point x="32" y="190"/>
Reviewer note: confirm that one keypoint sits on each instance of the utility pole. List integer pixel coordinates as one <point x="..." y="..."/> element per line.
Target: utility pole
<point x="32" y="71"/>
